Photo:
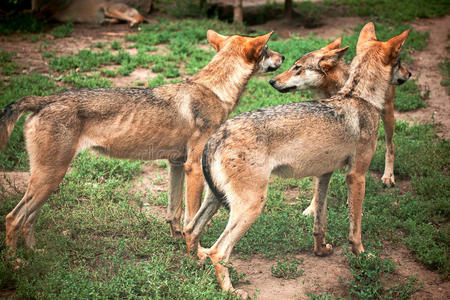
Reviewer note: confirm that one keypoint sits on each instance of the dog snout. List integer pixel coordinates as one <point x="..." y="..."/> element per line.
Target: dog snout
<point x="272" y="82"/>
<point x="409" y="74"/>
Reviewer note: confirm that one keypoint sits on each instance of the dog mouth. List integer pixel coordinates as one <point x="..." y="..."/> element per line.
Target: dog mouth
<point x="287" y="90"/>
<point x="271" y="69"/>
<point x="400" y="81"/>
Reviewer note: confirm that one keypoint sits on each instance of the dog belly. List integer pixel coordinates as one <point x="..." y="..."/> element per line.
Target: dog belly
<point x="311" y="164"/>
<point x="160" y="145"/>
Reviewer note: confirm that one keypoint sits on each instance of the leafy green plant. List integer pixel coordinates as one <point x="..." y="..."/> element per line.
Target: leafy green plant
<point x="62" y="30"/>
<point x="287" y="269"/>
<point x="8" y="67"/>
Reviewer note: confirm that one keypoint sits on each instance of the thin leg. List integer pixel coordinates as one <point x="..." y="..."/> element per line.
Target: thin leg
<point x="174" y="209"/>
<point x="320" y="216"/>
<point x="312" y="206"/>
<point x="194" y="229"/>
<point x="388" y="178"/>
<point x="242" y="216"/>
<point x="23" y="216"/>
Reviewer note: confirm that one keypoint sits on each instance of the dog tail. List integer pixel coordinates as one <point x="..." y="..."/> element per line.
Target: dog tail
<point x="12" y="112"/>
<point x="206" y="166"/>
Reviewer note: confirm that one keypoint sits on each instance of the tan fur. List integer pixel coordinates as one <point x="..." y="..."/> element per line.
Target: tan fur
<point x="331" y="81"/>
<point x="89" y="11"/>
<point x="296" y="140"/>
<point x="170" y="122"/>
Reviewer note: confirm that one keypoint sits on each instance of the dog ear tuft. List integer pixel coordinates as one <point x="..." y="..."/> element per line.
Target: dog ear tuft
<point x="255" y="45"/>
<point x="367" y="34"/>
<point x="215" y="39"/>
<point x="392" y="47"/>
<point x="330" y="59"/>
<point x="334" y="45"/>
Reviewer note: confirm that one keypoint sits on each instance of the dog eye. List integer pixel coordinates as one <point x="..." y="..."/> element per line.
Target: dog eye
<point x="296" y="68"/>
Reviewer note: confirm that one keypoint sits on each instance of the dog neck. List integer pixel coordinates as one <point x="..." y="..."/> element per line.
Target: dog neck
<point x="334" y="81"/>
<point x="367" y="80"/>
<point x="226" y="75"/>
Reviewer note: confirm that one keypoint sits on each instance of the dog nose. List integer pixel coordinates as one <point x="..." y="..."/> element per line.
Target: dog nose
<point x="409" y="74"/>
<point x="282" y="58"/>
<point x="271" y="81"/>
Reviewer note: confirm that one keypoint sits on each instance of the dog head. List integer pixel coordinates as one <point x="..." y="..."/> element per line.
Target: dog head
<point x="400" y="74"/>
<point x="311" y="70"/>
<point x="253" y="49"/>
<point x="386" y="53"/>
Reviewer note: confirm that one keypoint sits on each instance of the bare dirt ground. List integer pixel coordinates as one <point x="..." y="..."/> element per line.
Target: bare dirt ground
<point x="425" y="69"/>
<point x="321" y="274"/>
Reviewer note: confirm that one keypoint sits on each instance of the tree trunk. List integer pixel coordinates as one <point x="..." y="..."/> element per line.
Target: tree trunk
<point x="288" y="9"/>
<point x="238" y="15"/>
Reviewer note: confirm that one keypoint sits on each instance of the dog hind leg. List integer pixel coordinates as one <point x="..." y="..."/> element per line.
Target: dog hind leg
<point x="176" y="186"/>
<point x="194" y="229"/>
<point x="320" y="216"/>
<point x="241" y="218"/>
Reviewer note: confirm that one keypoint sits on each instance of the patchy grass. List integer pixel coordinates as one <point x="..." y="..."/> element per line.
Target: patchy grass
<point x="395" y="12"/>
<point x="408" y="97"/>
<point x="370" y="276"/>
<point x="62" y="30"/>
<point x="18" y="87"/>
<point x="98" y="242"/>
<point x="24" y="23"/>
<point x="445" y="70"/>
<point x="8" y="67"/>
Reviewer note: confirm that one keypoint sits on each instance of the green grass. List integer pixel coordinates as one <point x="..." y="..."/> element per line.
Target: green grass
<point x="25" y="23"/>
<point x="395" y="11"/>
<point x="8" y="67"/>
<point x="99" y="242"/>
<point x="18" y="87"/>
<point x="408" y="97"/>
<point x="445" y="70"/>
<point x="62" y="30"/>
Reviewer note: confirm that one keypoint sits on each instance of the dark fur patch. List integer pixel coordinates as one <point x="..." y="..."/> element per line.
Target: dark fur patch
<point x="207" y="174"/>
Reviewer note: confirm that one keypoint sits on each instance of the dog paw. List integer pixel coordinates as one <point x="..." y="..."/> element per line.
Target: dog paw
<point x="309" y="211"/>
<point x="241" y="293"/>
<point x="324" y="251"/>
<point x="175" y="231"/>
<point x="388" y="181"/>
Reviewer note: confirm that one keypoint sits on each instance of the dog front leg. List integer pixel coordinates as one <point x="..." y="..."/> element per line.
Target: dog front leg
<point x="320" y="216"/>
<point x="176" y="185"/>
<point x="389" y="127"/>
<point x="312" y="206"/>
<point x="356" y="190"/>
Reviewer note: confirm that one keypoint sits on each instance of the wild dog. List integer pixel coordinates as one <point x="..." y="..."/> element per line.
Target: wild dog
<point x="324" y="72"/>
<point x="89" y="11"/>
<point x="302" y="139"/>
<point x="171" y="122"/>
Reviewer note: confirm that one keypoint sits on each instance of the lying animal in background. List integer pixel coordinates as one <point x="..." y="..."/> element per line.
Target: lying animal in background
<point x="324" y="72"/>
<point x="89" y="11"/>
<point x="172" y="121"/>
<point x="302" y="139"/>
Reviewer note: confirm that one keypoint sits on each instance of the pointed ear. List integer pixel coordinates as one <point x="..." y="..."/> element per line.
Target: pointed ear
<point x="330" y="59"/>
<point x="215" y="39"/>
<point x="254" y="46"/>
<point x="334" y="45"/>
<point x="367" y="34"/>
<point x="394" y="44"/>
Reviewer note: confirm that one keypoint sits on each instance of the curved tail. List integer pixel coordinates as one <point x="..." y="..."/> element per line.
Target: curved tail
<point x="12" y="112"/>
<point x="206" y="166"/>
